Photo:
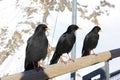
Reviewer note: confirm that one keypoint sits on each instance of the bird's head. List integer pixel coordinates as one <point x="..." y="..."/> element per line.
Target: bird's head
<point x="41" y="27"/>
<point x="97" y="29"/>
<point x="73" y="28"/>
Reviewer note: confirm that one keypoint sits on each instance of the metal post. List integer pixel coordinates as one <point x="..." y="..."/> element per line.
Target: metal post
<point x="107" y="70"/>
<point x="74" y="21"/>
<point x="74" y="12"/>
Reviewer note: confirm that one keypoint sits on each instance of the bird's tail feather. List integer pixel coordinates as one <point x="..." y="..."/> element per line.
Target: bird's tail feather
<point x="85" y="52"/>
<point x="55" y="58"/>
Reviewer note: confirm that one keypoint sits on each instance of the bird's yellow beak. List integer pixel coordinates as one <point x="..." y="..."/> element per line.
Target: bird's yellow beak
<point x="100" y="31"/>
<point x="79" y="28"/>
<point x="47" y="28"/>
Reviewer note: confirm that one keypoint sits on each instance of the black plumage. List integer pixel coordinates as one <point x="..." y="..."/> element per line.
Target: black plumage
<point x="36" y="48"/>
<point x="65" y="43"/>
<point x="90" y="41"/>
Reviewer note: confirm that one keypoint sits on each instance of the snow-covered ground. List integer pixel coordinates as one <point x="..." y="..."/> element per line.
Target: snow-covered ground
<point x="11" y="17"/>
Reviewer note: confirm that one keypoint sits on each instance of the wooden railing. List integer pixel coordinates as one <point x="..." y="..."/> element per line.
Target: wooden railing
<point x="61" y="68"/>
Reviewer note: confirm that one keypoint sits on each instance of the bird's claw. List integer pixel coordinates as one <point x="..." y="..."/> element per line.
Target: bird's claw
<point x="71" y="60"/>
<point x="94" y="54"/>
<point x="62" y="61"/>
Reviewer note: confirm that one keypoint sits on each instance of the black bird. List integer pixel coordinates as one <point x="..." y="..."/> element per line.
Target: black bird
<point x="36" y="49"/>
<point x="65" y="43"/>
<point x="91" y="41"/>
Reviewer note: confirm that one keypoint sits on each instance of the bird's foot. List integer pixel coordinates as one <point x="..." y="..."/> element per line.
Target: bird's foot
<point x="40" y="66"/>
<point x="93" y="53"/>
<point x="62" y="60"/>
<point x="65" y="62"/>
<point x="70" y="59"/>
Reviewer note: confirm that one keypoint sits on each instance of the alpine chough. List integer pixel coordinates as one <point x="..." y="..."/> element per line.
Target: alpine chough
<point x="65" y="43"/>
<point x="36" y="48"/>
<point x="91" y="41"/>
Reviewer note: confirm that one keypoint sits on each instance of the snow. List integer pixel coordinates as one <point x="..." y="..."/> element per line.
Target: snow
<point x="11" y="16"/>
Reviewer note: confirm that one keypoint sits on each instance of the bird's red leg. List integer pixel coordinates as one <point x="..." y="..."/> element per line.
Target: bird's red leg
<point x="70" y="59"/>
<point x="37" y="66"/>
<point x="41" y="65"/>
<point x="62" y="60"/>
<point x="92" y="53"/>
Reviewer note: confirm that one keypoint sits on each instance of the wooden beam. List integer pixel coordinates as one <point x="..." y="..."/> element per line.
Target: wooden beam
<point x="60" y="68"/>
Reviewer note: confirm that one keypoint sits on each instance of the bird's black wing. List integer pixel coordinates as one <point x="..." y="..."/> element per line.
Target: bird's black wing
<point x="85" y="50"/>
<point x="59" y="49"/>
<point x="90" y="42"/>
<point x="28" y="65"/>
<point x="36" y="48"/>
<point x="28" y="45"/>
<point x="64" y="45"/>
